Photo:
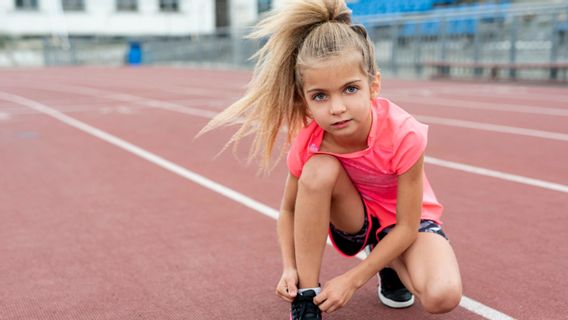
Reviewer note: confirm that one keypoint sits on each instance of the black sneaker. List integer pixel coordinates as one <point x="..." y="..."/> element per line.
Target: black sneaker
<point x="304" y="308"/>
<point x="392" y="292"/>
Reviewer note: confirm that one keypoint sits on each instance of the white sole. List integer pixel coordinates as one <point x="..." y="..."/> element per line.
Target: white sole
<point x="384" y="300"/>
<point x="394" y="304"/>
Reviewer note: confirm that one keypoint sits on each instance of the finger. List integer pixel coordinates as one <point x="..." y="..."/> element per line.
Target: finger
<point x="291" y="288"/>
<point x="331" y="309"/>
<point x="284" y="296"/>
<point x="332" y="306"/>
<point x="287" y="299"/>
<point x="322" y="300"/>
<point x="282" y="293"/>
<point x="320" y="297"/>
<point x="290" y="294"/>
<point x="325" y="305"/>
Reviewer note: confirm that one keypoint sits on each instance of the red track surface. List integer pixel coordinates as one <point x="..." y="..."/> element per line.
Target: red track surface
<point x="90" y="231"/>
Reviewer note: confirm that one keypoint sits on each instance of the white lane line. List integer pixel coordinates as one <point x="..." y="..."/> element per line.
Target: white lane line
<point x="202" y="91"/>
<point x="403" y="94"/>
<point x="205" y="113"/>
<point x="229" y="193"/>
<point x="483" y="310"/>
<point x="78" y="109"/>
<point x="493" y="127"/>
<point x="199" y="179"/>
<point x="170" y="106"/>
<point x="439" y="162"/>
<point x="497" y="174"/>
<point x="440" y="102"/>
<point x="468" y="93"/>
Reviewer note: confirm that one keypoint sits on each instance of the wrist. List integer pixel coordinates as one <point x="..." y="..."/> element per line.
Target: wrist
<point x="355" y="278"/>
<point x="289" y="268"/>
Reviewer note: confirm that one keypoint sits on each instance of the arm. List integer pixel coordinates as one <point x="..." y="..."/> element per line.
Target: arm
<point x="287" y="286"/>
<point x="409" y="209"/>
<point x="285" y="224"/>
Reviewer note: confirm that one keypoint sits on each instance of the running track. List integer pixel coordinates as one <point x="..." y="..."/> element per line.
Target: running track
<point x="110" y="210"/>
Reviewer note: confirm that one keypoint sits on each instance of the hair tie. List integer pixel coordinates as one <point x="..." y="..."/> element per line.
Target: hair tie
<point x="360" y="29"/>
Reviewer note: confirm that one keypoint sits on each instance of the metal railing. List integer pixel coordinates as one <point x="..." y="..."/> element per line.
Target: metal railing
<point x="406" y="45"/>
<point x="508" y="35"/>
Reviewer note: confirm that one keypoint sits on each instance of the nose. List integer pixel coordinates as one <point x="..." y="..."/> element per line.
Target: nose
<point x="337" y="106"/>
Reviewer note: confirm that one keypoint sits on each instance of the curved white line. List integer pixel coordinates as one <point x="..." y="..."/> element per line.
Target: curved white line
<point x="493" y="127"/>
<point x="205" y="113"/>
<point x="467" y="303"/>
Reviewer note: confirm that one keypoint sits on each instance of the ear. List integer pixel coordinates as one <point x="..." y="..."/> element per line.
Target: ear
<point x="375" y="86"/>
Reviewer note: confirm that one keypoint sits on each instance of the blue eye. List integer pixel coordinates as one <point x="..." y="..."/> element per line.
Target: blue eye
<point x="318" y="97"/>
<point x="351" y="89"/>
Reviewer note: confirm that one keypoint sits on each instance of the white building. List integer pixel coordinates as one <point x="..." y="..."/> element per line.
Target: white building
<point x="125" y="18"/>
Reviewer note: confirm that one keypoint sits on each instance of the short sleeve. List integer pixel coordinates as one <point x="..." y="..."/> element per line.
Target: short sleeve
<point x="294" y="161"/>
<point x="409" y="144"/>
<point x="299" y="152"/>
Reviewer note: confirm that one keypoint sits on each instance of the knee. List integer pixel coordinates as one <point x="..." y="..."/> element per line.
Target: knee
<point x="441" y="298"/>
<point x="320" y="173"/>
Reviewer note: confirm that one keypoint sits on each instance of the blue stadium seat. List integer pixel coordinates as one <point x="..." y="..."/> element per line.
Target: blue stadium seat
<point x="465" y="25"/>
<point x="370" y="7"/>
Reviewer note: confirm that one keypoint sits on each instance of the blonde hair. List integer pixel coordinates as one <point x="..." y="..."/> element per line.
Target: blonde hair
<point x="298" y="34"/>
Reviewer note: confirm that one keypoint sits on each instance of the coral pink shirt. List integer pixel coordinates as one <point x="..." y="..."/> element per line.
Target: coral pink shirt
<point x="395" y="142"/>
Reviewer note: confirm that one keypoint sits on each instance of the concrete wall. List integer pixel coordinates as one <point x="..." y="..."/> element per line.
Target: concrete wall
<point x="101" y="18"/>
<point x="243" y="13"/>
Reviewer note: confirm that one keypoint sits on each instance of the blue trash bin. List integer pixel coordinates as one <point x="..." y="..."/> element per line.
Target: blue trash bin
<point x="134" y="56"/>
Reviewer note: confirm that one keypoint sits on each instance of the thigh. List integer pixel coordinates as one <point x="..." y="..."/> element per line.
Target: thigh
<point x="431" y="264"/>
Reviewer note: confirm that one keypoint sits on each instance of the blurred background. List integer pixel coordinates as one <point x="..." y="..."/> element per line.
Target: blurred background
<point x="471" y="39"/>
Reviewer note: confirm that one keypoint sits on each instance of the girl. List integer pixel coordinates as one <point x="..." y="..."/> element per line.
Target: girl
<point x="356" y="165"/>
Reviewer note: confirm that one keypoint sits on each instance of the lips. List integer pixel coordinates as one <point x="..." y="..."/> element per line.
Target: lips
<point x="340" y="123"/>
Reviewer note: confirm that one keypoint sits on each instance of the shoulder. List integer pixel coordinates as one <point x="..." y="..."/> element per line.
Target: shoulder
<point x="401" y="134"/>
<point x="394" y="123"/>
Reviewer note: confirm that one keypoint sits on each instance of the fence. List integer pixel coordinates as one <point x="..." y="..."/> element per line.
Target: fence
<point x="523" y="42"/>
<point x="508" y="41"/>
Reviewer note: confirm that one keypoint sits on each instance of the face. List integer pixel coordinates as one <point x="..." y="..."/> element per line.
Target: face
<point x="338" y="96"/>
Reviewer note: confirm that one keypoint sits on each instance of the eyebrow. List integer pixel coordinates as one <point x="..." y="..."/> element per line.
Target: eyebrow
<point x="345" y="85"/>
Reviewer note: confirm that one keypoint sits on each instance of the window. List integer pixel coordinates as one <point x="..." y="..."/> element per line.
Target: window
<point x="73" y="5"/>
<point x="169" y="5"/>
<point x="264" y="5"/>
<point x="127" y="5"/>
<point x="26" y="4"/>
<point x="222" y="14"/>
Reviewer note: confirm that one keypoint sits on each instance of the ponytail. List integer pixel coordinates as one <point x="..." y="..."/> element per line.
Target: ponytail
<point x="301" y="30"/>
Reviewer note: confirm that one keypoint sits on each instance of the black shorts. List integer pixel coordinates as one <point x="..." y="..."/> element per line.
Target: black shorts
<point x="350" y="244"/>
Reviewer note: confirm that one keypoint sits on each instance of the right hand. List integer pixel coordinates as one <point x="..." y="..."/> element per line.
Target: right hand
<point x="287" y="287"/>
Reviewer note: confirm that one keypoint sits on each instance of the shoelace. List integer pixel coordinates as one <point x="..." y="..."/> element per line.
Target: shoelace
<point x="304" y="306"/>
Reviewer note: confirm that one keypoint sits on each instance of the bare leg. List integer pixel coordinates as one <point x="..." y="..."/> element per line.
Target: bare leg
<point x="429" y="269"/>
<point x="325" y="193"/>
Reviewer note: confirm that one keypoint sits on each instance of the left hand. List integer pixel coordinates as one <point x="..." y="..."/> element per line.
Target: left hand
<point x="335" y="294"/>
